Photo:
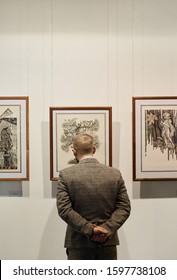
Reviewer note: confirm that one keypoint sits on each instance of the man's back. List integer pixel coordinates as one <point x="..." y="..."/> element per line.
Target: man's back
<point x="92" y="199"/>
<point x="93" y="189"/>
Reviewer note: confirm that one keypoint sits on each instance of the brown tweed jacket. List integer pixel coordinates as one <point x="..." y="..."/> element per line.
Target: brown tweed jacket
<point x="91" y="193"/>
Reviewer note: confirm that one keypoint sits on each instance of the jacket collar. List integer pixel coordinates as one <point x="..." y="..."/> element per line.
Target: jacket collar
<point x="88" y="160"/>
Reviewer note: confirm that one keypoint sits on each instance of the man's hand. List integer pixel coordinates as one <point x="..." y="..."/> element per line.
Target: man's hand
<point x="100" y="234"/>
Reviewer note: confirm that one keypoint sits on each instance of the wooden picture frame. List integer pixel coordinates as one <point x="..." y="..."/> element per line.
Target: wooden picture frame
<point x="14" y="138"/>
<point x="154" y="138"/>
<point x="66" y="122"/>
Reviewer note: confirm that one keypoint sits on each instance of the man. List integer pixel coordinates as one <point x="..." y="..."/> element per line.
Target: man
<point x="92" y="199"/>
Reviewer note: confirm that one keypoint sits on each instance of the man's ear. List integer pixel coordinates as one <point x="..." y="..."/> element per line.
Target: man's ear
<point x="74" y="152"/>
<point x="94" y="150"/>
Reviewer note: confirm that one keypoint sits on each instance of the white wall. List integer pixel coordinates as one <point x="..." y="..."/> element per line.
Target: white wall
<point x="86" y="53"/>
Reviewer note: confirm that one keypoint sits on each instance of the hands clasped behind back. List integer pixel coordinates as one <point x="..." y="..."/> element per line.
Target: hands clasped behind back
<point x="100" y="234"/>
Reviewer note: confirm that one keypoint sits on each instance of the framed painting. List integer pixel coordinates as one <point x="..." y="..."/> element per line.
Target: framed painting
<point x="154" y="138"/>
<point x="14" y="138"/>
<point x="66" y="122"/>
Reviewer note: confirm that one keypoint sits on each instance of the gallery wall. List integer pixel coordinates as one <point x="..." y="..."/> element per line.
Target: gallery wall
<point x="86" y="53"/>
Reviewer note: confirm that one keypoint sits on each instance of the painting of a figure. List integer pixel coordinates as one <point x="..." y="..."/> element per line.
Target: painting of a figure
<point x="154" y="138"/>
<point x="161" y="131"/>
<point x="65" y="123"/>
<point x="14" y="161"/>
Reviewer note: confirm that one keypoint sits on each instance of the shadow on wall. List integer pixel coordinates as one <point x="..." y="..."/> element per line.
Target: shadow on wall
<point x="14" y="189"/>
<point x="155" y="189"/>
<point x="52" y="240"/>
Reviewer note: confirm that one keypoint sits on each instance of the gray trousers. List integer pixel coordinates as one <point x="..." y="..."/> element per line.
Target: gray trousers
<point x="98" y="253"/>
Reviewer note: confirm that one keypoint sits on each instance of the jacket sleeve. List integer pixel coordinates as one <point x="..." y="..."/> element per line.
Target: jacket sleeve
<point x="66" y="211"/>
<point x="121" y="211"/>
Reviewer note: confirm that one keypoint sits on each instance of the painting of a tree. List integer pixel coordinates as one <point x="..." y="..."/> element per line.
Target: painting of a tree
<point x="72" y="127"/>
<point x="65" y="123"/>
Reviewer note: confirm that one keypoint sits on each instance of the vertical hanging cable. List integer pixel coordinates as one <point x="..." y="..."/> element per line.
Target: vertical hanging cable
<point x="27" y="51"/>
<point x="117" y="57"/>
<point x="43" y="56"/>
<point x="142" y="44"/>
<point x="19" y="50"/>
<point x="133" y="77"/>
<point x="51" y="30"/>
<point x="108" y="49"/>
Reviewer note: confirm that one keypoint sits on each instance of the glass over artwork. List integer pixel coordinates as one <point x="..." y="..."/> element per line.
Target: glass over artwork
<point x="154" y="138"/>
<point x="14" y="138"/>
<point x="65" y="123"/>
<point x="10" y="152"/>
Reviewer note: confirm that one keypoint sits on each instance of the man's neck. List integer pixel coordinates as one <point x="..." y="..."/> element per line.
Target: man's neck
<point x="86" y="156"/>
